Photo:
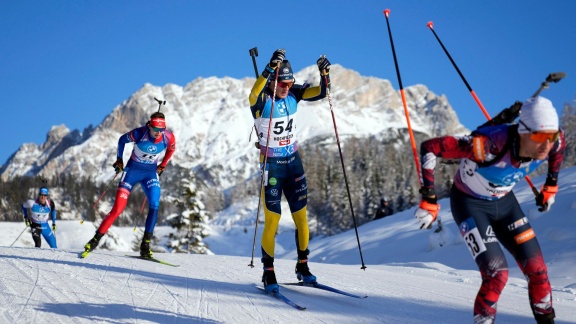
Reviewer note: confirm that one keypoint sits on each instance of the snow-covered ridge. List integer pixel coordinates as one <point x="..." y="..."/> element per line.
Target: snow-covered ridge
<point x="212" y="123"/>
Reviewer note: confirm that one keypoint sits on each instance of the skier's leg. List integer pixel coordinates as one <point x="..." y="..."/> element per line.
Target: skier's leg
<point x="518" y="237"/>
<point x="36" y="230"/>
<point x="49" y="236"/>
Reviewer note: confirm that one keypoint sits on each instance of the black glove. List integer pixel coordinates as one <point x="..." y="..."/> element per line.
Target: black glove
<point x="160" y="169"/>
<point x="118" y="165"/>
<point x="277" y="58"/>
<point x="54" y="227"/>
<point x="27" y="222"/>
<point x="323" y="64"/>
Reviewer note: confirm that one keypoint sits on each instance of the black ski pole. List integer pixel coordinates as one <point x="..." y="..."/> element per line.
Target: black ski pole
<point x="344" y="170"/>
<point x="263" y="171"/>
<point x="431" y="26"/>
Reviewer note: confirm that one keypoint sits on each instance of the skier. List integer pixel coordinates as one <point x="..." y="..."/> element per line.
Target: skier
<point x="494" y="159"/>
<point x="283" y="172"/>
<point x="384" y="209"/>
<point x="150" y="141"/>
<point x="36" y="213"/>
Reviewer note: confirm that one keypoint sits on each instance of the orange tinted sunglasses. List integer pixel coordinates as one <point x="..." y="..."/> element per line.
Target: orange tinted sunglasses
<point x="285" y="84"/>
<point x="542" y="137"/>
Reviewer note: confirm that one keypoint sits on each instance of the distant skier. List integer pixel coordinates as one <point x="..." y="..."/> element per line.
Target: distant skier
<point x="36" y="213"/>
<point x="494" y="159"/>
<point x="384" y="209"/>
<point x="150" y="141"/>
<point x="284" y="172"/>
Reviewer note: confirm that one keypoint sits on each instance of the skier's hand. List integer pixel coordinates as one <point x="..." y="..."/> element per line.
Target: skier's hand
<point x="546" y="197"/>
<point x="160" y="170"/>
<point x="118" y="165"/>
<point x="277" y="58"/>
<point x="54" y="227"/>
<point x="427" y="211"/>
<point x="323" y="65"/>
<point x="27" y="222"/>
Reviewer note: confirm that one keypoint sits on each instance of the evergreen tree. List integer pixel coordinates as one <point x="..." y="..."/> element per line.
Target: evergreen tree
<point x="189" y="222"/>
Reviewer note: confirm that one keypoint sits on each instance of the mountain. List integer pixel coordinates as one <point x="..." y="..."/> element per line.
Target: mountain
<point x="212" y="125"/>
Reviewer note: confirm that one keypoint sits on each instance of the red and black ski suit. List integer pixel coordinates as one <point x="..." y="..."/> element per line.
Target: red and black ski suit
<point x="487" y="212"/>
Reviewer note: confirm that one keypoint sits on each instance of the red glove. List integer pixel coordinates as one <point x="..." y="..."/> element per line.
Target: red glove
<point x="546" y="197"/>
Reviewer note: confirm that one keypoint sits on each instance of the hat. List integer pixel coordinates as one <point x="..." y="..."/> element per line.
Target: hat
<point x="43" y="191"/>
<point x="285" y="72"/>
<point x="157" y="120"/>
<point x="537" y="115"/>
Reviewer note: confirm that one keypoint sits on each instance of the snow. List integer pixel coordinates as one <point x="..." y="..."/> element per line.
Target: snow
<point x="410" y="277"/>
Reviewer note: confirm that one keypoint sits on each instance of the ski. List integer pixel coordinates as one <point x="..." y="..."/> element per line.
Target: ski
<point x="283" y="298"/>
<point x="153" y="260"/>
<point x="323" y="287"/>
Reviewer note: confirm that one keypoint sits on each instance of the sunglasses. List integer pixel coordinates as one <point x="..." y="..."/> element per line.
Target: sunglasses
<point x="541" y="137"/>
<point x="158" y="129"/>
<point x="285" y="84"/>
<point x="43" y="195"/>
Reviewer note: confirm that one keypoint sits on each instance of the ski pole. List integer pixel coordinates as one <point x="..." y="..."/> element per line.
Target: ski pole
<point x="431" y="26"/>
<point x="95" y="203"/>
<point x="140" y="215"/>
<point x="412" y="141"/>
<point x="263" y="171"/>
<point x="344" y="169"/>
<point x="253" y="54"/>
<point x="19" y="236"/>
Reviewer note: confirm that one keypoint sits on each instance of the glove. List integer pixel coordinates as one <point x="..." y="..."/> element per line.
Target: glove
<point x="427" y="211"/>
<point x="546" y="197"/>
<point x="118" y="165"/>
<point x="160" y="169"/>
<point x="323" y="64"/>
<point x="54" y="227"/>
<point x="27" y="222"/>
<point x="277" y="58"/>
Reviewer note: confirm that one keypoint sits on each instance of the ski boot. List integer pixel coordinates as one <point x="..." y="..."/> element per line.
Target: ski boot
<point x="92" y="244"/>
<point x="303" y="272"/>
<point x="145" y="251"/>
<point x="269" y="280"/>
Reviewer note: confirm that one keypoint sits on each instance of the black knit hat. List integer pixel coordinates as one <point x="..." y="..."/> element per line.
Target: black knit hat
<point x="285" y="72"/>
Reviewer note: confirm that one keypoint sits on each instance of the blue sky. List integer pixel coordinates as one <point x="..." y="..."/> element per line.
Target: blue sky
<point x="72" y="62"/>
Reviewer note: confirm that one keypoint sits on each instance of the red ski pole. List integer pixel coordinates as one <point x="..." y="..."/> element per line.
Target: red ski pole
<point x="406" y="113"/>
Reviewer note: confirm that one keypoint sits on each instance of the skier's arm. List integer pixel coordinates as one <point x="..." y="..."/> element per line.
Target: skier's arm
<point x="449" y="147"/>
<point x="170" y="149"/>
<point x="129" y="137"/>
<point x="53" y="211"/>
<point x="259" y="86"/>
<point x="555" y="158"/>
<point x="317" y="92"/>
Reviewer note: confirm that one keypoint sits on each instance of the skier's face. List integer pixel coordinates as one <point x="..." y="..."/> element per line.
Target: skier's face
<point x="42" y="199"/>
<point x="537" y="149"/>
<point x="282" y="88"/>
<point x="155" y="132"/>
